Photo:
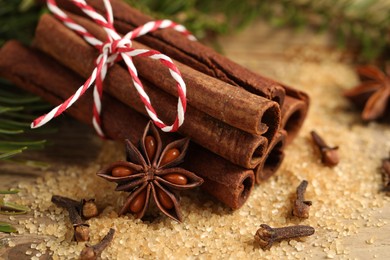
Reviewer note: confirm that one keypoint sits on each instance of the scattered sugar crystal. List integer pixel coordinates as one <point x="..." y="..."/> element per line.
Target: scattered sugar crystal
<point x="11" y="243"/>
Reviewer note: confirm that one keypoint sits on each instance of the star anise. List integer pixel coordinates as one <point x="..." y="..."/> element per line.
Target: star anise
<point x="373" y="93"/>
<point x="149" y="170"/>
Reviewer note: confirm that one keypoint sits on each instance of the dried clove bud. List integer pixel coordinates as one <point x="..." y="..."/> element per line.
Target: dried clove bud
<point x="81" y="229"/>
<point x="329" y="155"/>
<point x="89" y="209"/>
<point x="93" y="252"/>
<point x="301" y="206"/>
<point x="266" y="235"/>
<point x="81" y="232"/>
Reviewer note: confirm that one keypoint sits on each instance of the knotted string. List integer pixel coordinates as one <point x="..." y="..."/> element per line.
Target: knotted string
<point x="114" y="49"/>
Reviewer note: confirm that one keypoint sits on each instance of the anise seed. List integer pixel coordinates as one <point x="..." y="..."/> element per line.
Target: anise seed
<point x="121" y="171"/>
<point x="164" y="199"/>
<point x="169" y="156"/>
<point x="150" y="146"/>
<point x="176" y="178"/>
<point x="138" y="202"/>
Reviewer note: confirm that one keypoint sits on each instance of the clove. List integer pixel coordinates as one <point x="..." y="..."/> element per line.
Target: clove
<point x="89" y="209"/>
<point x="329" y="155"/>
<point x="265" y="236"/>
<point x="301" y="206"/>
<point x="93" y="252"/>
<point x="81" y="229"/>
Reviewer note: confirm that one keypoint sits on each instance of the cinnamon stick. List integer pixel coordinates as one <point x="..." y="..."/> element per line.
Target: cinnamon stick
<point x="222" y="180"/>
<point x="191" y="53"/>
<point x="203" y="59"/>
<point x="69" y="49"/>
<point x="293" y="115"/>
<point x="234" y="106"/>
<point x="273" y="159"/>
<point x="37" y="73"/>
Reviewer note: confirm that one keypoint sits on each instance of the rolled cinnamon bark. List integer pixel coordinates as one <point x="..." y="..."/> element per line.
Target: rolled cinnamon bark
<point x="191" y="53"/>
<point x="273" y="159"/>
<point x="234" y="106"/>
<point x="204" y="59"/>
<point x="37" y="73"/>
<point x="222" y="180"/>
<point x="293" y="115"/>
<point x="66" y="47"/>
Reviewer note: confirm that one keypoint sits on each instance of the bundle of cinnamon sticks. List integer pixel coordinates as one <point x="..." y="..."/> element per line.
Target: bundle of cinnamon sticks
<point x="239" y="122"/>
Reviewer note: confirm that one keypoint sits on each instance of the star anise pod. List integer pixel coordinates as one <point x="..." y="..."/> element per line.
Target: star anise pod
<point x="373" y="93"/>
<point x="151" y="171"/>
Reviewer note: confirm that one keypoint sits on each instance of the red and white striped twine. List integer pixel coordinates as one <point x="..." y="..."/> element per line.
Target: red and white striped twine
<point x="117" y="48"/>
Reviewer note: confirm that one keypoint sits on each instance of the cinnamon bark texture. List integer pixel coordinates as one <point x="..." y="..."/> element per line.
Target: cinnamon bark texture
<point x="37" y="73"/>
<point x="205" y="60"/>
<point x="234" y="106"/>
<point x="294" y="112"/>
<point x="273" y="159"/>
<point x="66" y="47"/>
<point x="223" y="178"/>
<point x="191" y="53"/>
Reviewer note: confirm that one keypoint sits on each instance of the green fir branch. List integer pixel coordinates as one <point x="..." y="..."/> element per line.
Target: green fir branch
<point x="363" y="25"/>
<point x="9" y="208"/>
<point x="18" y="20"/>
<point x="14" y="125"/>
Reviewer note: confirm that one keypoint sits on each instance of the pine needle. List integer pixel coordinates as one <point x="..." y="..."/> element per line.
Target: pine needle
<point x="9" y="208"/>
<point x="17" y="109"/>
<point x="7" y="228"/>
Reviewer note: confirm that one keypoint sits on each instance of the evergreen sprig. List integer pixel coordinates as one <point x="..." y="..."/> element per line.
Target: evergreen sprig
<point x="18" y="20"/>
<point x="361" y="24"/>
<point x="17" y="110"/>
<point x="9" y="208"/>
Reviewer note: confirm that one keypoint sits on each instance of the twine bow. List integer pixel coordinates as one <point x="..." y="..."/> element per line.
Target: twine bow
<point x="114" y="49"/>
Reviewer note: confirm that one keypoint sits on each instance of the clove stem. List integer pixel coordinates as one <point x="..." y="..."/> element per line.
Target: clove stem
<point x="301" y="207"/>
<point x="266" y="235"/>
<point x="81" y="229"/>
<point x="92" y="252"/>
<point x="329" y="155"/>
